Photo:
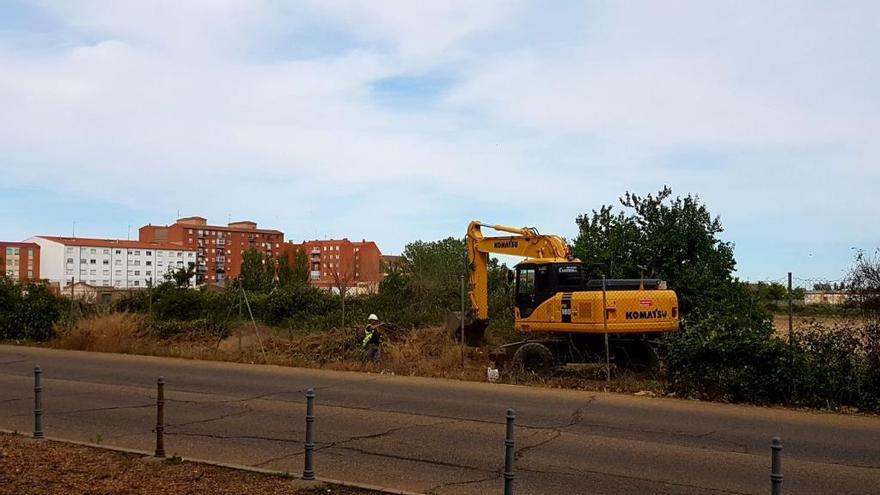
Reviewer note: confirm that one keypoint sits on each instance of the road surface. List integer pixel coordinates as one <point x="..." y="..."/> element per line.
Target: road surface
<point x="438" y="436"/>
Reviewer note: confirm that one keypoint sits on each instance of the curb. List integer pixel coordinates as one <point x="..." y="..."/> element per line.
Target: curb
<point x="238" y="467"/>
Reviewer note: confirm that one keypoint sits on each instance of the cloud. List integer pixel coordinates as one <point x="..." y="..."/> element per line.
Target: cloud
<point x="406" y="119"/>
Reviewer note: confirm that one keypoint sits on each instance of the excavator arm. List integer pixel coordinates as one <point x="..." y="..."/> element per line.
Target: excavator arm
<point x="525" y="242"/>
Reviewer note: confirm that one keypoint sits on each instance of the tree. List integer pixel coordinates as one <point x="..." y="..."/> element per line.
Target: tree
<point x="301" y="270"/>
<point x="863" y="282"/>
<point x="661" y="236"/>
<point x="181" y="277"/>
<point x="342" y="278"/>
<point x="257" y="271"/>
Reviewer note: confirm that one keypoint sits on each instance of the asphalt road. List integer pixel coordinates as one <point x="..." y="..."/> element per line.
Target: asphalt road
<point x="438" y="436"/>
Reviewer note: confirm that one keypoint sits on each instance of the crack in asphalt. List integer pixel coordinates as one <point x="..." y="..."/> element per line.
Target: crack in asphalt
<point x="96" y="409"/>
<point x="354" y="438"/>
<point x="15" y="361"/>
<point x="225" y="401"/>
<point x="231" y="437"/>
<point x="412" y="459"/>
<point x="210" y="420"/>
<point x="521" y="452"/>
<point x="441" y="486"/>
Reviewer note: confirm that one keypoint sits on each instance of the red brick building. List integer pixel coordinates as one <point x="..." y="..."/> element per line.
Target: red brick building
<point x="219" y="248"/>
<point x="20" y="261"/>
<point x="334" y="263"/>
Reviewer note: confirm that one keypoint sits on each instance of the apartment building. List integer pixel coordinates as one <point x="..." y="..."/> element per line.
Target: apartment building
<point x="109" y="262"/>
<point x="219" y="249"/>
<point x="334" y="263"/>
<point x="20" y="261"/>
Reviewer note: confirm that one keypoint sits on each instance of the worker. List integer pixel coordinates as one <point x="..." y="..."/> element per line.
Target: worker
<point x="372" y="340"/>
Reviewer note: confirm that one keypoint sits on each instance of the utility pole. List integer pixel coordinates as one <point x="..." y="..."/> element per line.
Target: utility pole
<point x="605" y="324"/>
<point x="790" y="317"/>
<point x="461" y="337"/>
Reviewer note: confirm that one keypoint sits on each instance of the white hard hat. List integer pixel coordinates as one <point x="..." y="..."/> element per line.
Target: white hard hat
<point x="373" y="317"/>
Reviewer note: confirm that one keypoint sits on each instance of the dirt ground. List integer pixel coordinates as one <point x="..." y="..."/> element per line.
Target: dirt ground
<point x="29" y="467"/>
<point x="780" y="321"/>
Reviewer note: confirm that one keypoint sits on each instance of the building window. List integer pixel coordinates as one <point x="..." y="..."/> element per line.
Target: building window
<point x="106" y="251"/>
<point x="137" y="262"/>
<point x="93" y="262"/>
<point x="70" y="260"/>
<point x="149" y="263"/>
<point x="137" y="253"/>
<point x="118" y="251"/>
<point x="137" y="283"/>
<point x="118" y="273"/>
<point x="106" y="262"/>
<point x="30" y="274"/>
<point x="160" y="254"/>
<point x="160" y="263"/>
<point x="93" y="250"/>
<point x="105" y="282"/>
<point x="118" y="262"/>
<point x="83" y="261"/>
<point x="149" y="253"/>
<point x="137" y="273"/>
<point x="70" y="250"/>
<point x="93" y="272"/>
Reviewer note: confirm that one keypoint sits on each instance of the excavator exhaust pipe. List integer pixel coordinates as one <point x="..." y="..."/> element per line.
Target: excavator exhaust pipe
<point x="474" y="329"/>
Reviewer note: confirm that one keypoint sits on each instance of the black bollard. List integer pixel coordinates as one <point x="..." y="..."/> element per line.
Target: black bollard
<point x="160" y="417"/>
<point x="309" y="469"/>
<point x="38" y="403"/>
<point x="776" y="466"/>
<point x="508" y="454"/>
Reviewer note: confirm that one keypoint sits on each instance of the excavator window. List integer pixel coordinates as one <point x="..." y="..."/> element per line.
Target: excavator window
<point x="533" y="286"/>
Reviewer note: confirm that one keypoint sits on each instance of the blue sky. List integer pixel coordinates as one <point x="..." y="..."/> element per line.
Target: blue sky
<point x="398" y="121"/>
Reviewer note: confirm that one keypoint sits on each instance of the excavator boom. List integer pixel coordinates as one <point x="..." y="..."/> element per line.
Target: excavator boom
<point x="526" y="242"/>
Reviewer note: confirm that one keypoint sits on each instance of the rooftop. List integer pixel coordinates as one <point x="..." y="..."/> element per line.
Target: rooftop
<point x="114" y="243"/>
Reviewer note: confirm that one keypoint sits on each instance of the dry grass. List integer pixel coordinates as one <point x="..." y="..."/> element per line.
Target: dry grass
<point x="117" y="332"/>
<point x="428" y="352"/>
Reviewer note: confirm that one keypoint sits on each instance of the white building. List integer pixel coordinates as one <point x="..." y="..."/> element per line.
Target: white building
<point x="109" y="262"/>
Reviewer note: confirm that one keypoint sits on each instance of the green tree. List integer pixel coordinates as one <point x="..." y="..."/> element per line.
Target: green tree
<point x="301" y="267"/>
<point x="257" y="271"/>
<point x="181" y="277"/>
<point x="285" y="271"/>
<point x="28" y="311"/>
<point x="661" y="236"/>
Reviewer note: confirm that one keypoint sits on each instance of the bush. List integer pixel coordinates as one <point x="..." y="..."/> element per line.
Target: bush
<point x="28" y="311"/>
<point x="723" y="358"/>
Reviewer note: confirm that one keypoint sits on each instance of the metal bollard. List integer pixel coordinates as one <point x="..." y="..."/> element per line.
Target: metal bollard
<point x="38" y="403"/>
<point x="309" y="468"/>
<point x="160" y="417"/>
<point x="508" y="454"/>
<point x="776" y="466"/>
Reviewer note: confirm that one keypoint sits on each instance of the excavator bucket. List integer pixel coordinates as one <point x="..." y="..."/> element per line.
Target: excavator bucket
<point x="474" y="329"/>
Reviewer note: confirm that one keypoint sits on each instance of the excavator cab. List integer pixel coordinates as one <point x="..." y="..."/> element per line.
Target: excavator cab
<point x="538" y="281"/>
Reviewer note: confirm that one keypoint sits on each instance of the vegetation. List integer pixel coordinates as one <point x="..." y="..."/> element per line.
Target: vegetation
<point x="27" y="311"/>
<point x="727" y="348"/>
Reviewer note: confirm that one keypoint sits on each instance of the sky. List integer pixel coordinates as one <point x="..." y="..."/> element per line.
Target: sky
<point x="397" y="120"/>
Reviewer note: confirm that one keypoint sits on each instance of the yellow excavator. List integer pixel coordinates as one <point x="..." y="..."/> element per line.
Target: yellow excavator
<point x="562" y="306"/>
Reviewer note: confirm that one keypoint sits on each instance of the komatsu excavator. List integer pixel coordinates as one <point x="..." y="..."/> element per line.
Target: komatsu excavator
<point x="562" y="307"/>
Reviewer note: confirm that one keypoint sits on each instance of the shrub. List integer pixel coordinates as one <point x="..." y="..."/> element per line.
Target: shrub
<point x="28" y="311"/>
<point x="724" y="358"/>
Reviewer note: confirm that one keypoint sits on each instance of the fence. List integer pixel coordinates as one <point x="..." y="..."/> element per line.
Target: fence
<point x="309" y="444"/>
